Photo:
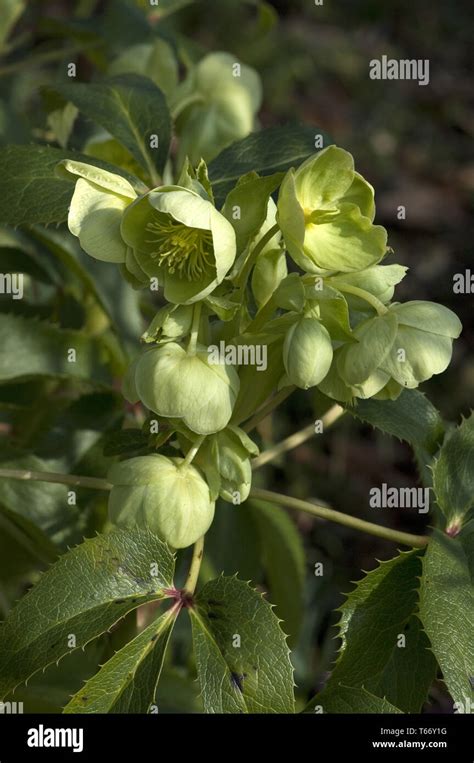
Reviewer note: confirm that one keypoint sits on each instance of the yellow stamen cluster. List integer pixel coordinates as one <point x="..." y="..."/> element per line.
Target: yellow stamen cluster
<point x="187" y="251"/>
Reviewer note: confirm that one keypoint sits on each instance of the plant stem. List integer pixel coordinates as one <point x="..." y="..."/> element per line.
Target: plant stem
<point x="297" y="439"/>
<point x="94" y="483"/>
<point x="195" y="328"/>
<point x="193" y="450"/>
<point x="244" y="274"/>
<point x="363" y="294"/>
<point x="323" y="512"/>
<point x="193" y="574"/>
<point x="266" y="409"/>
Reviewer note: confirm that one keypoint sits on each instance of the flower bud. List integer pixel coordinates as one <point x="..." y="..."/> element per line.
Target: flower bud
<point x="307" y="353"/>
<point x="163" y="494"/>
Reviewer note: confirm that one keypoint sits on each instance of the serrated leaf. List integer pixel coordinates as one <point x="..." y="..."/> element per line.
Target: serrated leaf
<point x="127" y="682"/>
<point x="283" y="558"/>
<point x="453" y="473"/>
<point x="132" y="109"/>
<point x="29" y="348"/>
<point x="447" y="612"/>
<point x="88" y="590"/>
<point x="345" y="699"/>
<point x="411" y="417"/>
<point x="30" y="190"/>
<point x="253" y="677"/>
<point x="274" y="149"/>
<point x="373" y="618"/>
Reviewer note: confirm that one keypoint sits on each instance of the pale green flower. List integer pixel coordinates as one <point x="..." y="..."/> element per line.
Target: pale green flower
<point x="404" y="347"/>
<point x="166" y="495"/>
<point x="225" y="459"/>
<point x="176" y="236"/>
<point x="217" y="104"/>
<point x="178" y="385"/>
<point x="326" y="212"/>
<point x="424" y="342"/>
<point x="95" y="214"/>
<point x="307" y="353"/>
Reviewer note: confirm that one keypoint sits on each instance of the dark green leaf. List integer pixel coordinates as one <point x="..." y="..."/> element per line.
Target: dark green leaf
<point x="453" y="473"/>
<point x="233" y="542"/>
<point x="344" y="699"/>
<point x="284" y="562"/>
<point x="447" y="613"/>
<point x="29" y="348"/>
<point x="88" y="590"/>
<point x="132" y="109"/>
<point x="127" y="682"/>
<point x="274" y="149"/>
<point x="39" y="510"/>
<point x="241" y="654"/>
<point x="375" y="617"/>
<point x="30" y="190"/>
<point x="411" y="417"/>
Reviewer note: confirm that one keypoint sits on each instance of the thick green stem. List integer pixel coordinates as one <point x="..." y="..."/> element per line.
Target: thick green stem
<point x="193" y="574"/>
<point x="363" y="294"/>
<point x="297" y="439"/>
<point x="323" y="512"/>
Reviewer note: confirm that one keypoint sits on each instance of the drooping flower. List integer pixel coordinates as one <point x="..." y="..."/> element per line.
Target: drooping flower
<point x="179" y="385"/>
<point x="166" y="495"/>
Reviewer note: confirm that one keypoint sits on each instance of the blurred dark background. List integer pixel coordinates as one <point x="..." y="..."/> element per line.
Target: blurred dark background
<point x="412" y="142"/>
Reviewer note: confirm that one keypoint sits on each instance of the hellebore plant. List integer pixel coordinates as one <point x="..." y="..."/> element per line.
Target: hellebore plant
<point x="175" y="235"/>
<point x="254" y="251"/>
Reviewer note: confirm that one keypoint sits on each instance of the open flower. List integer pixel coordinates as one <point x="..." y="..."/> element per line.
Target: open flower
<point x="326" y="212"/>
<point x="181" y="239"/>
<point x="166" y="495"/>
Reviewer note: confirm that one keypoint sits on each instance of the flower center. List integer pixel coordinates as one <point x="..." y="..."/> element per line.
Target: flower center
<point x="182" y="250"/>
